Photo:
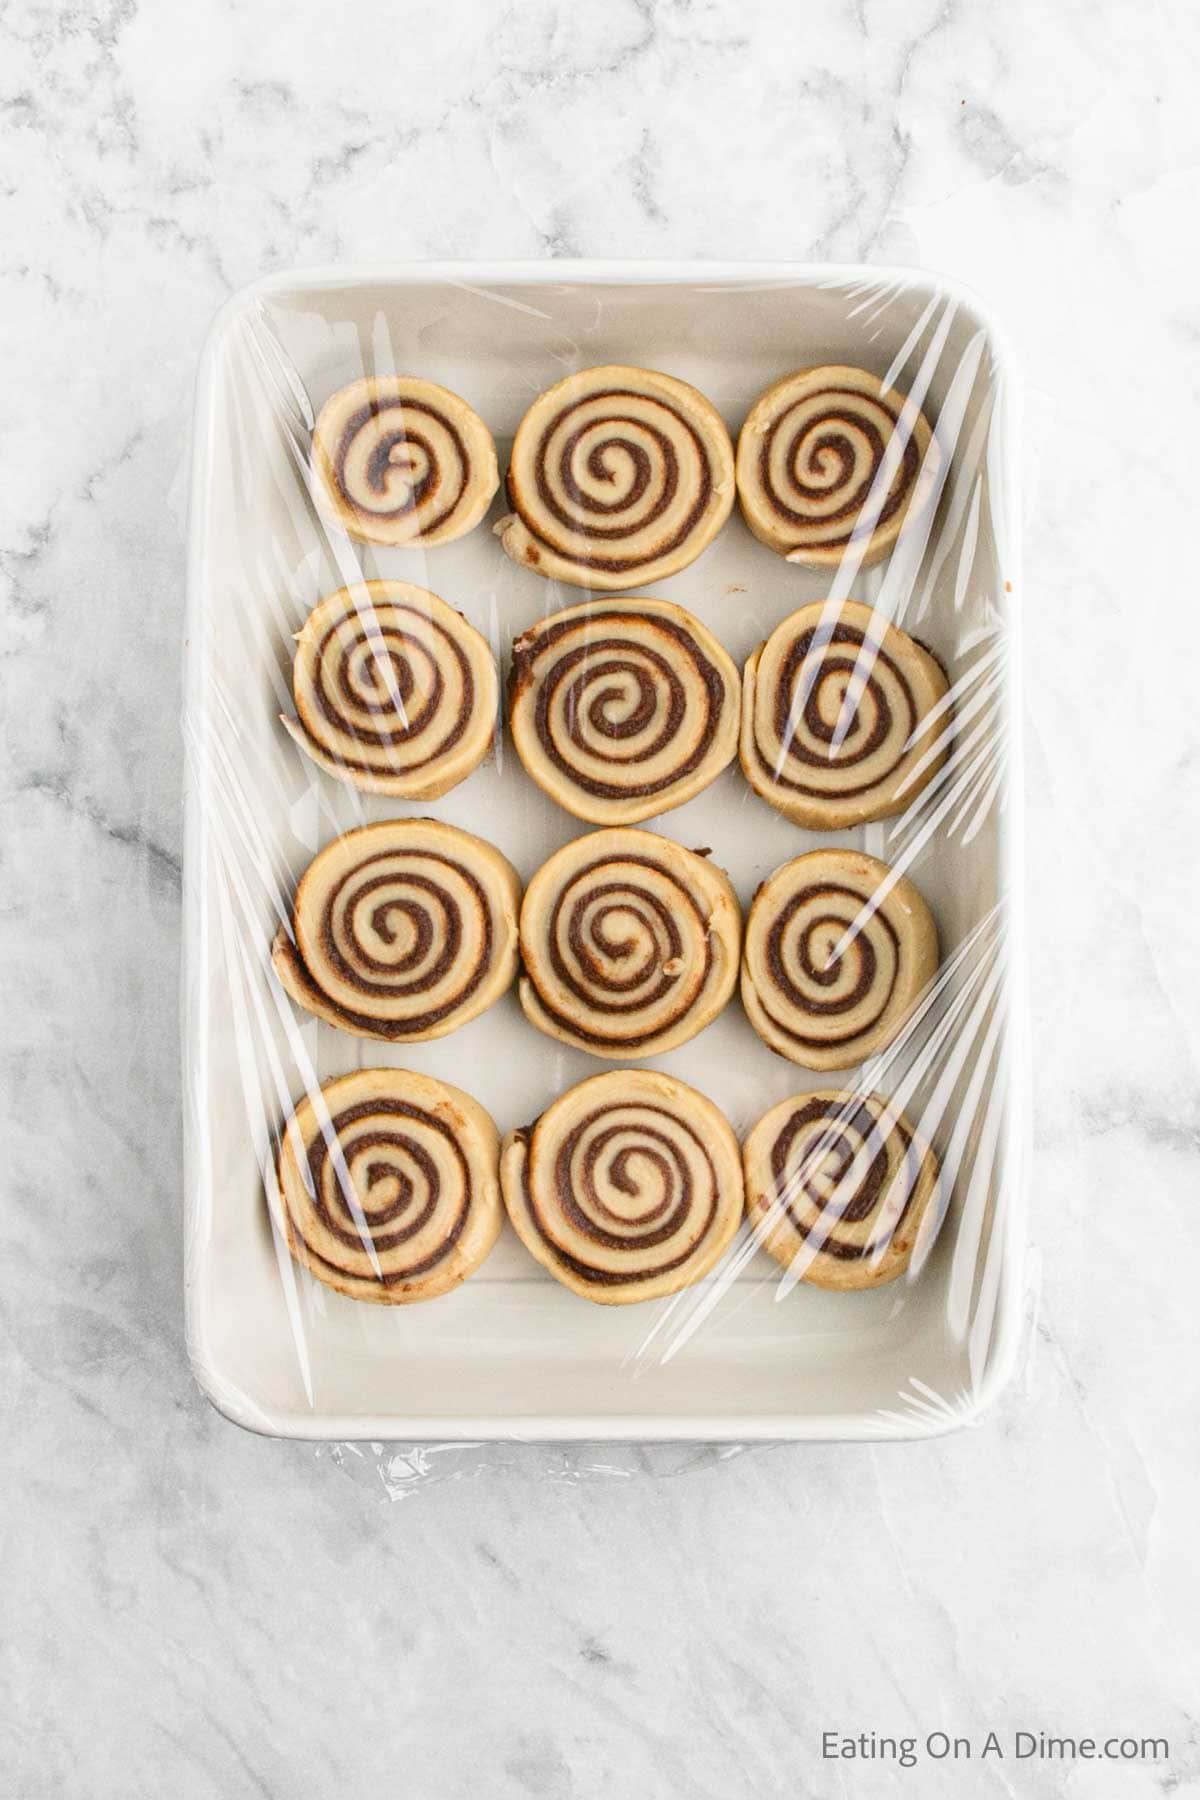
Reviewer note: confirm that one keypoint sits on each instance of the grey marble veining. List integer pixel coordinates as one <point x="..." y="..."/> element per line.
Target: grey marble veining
<point x="188" y="1609"/>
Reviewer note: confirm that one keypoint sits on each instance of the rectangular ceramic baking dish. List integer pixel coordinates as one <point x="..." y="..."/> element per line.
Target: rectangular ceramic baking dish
<point x="512" y="1354"/>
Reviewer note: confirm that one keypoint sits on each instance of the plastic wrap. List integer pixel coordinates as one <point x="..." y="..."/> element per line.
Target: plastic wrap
<point x="755" y="1349"/>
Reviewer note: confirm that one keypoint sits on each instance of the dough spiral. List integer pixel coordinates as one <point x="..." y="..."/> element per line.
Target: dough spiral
<point x="837" y="1186"/>
<point x="618" y="478"/>
<point x="402" y="461"/>
<point x="387" y="1186"/>
<point x="403" y="930"/>
<point x="829" y="460"/>
<point x="395" y="692"/>
<point x="855" y="676"/>
<point x="622" y="709"/>
<point x="628" y="1187"/>
<point x="629" y="944"/>
<point x="838" y="950"/>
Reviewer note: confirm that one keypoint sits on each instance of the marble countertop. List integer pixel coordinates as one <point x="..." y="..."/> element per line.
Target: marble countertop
<point x="192" y="1610"/>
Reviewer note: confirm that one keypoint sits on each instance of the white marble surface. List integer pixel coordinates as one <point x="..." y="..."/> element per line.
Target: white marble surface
<point x="190" y="1610"/>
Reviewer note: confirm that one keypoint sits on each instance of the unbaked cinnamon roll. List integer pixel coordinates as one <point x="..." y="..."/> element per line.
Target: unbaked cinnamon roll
<point x="629" y="944"/>
<point x="619" y="477"/>
<point x="402" y="461"/>
<point x="387" y="1186"/>
<point x="628" y="1187"/>
<point x="844" y="717"/>
<point x="403" y="930"/>
<point x="622" y="709"/>
<point x="395" y="691"/>
<point x="838" y="950"/>
<point x="837" y="1186"/>
<point x="831" y="460"/>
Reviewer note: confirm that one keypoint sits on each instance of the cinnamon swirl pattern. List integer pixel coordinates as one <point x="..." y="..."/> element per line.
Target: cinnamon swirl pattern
<point x="830" y="461"/>
<point x="837" y="1187"/>
<point x="619" y="477"/>
<point x="844" y="717"/>
<point x="628" y="1187"/>
<point x="629" y="944"/>
<point x="402" y="461"/>
<point x="622" y="709"/>
<point x="838" y="950"/>
<point x="395" y="691"/>
<point x="387" y="1186"/>
<point x="403" y="930"/>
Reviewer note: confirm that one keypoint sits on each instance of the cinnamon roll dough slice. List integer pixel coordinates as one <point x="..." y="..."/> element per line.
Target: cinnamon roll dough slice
<point x="629" y="944"/>
<point x="622" y="709"/>
<point x="395" y="691"/>
<point x="837" y="1188"/>
<point x="845" y="718"/>
<point x="403" y="930"/>
<point x="619" y="477"/>
<point x="831" y="460"/>
<point x="387" y="1186"/>
<point x="399" y="461"/>
<point x="839" y="948"/>
<point x="628" y="1187"/>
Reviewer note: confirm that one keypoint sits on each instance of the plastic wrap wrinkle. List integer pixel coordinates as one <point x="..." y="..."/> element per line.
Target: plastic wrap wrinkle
<point x="753" y="1351"/>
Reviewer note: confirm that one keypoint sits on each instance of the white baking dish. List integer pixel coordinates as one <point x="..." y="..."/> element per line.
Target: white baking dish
<point x="513" y="1354"/>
